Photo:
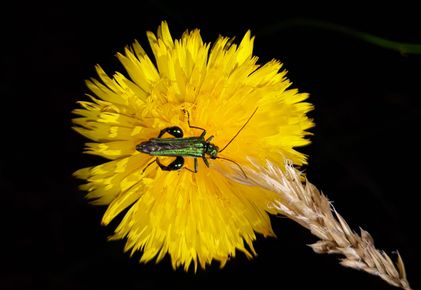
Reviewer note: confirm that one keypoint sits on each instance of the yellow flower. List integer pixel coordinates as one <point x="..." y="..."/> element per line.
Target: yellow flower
<point x="195" y="217"/>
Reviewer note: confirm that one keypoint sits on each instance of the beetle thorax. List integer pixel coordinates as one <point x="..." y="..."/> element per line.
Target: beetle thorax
<point x="212" y="150"/>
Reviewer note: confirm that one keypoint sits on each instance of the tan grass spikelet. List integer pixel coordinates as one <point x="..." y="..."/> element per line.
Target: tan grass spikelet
<point x="302" y="202"/>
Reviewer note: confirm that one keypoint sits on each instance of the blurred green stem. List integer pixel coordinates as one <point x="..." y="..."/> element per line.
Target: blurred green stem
<point x="403" y="48"/>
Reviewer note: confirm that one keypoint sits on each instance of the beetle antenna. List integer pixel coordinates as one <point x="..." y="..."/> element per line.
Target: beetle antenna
<point x="239" y="131"/>
<point x="218" y="157"/>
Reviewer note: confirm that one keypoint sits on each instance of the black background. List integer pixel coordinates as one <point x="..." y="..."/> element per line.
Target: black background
<point x="364" y="154"/>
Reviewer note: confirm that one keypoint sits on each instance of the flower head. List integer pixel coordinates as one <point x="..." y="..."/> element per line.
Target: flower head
<point x="200" y="216"/>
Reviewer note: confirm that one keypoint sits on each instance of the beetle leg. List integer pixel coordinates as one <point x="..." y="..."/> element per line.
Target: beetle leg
<point x="175" y="165"/>
<point x="194" y="127"/>
<point x="196" y="165"/>
<point x="173" y="131"/>
<point x="189" y="169"/>
<point x="205" y="160"/>
<point x="149" y="164"/>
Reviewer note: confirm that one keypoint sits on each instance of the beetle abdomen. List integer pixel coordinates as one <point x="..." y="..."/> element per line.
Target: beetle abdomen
<point x="193" y="147"/>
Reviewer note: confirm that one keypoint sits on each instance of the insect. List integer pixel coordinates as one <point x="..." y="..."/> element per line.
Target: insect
<point x="180" y="147"/>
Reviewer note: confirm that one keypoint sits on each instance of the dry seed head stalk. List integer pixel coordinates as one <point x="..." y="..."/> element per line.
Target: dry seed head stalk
<point x="305" y="204"/>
